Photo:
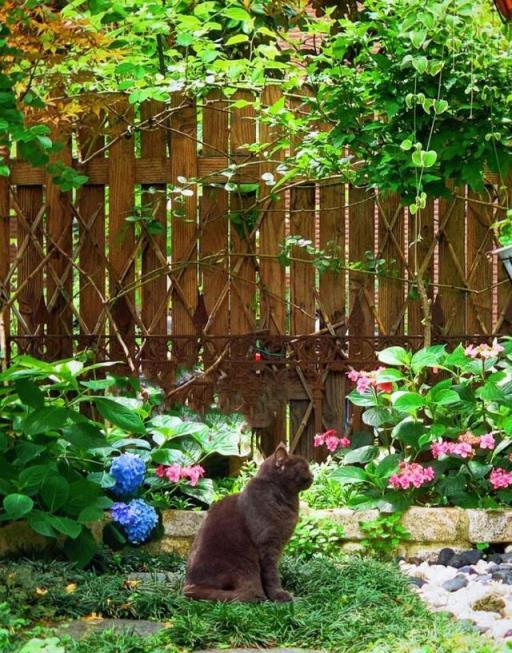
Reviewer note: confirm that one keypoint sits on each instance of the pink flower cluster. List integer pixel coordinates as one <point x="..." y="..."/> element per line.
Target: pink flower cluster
<point x="500" y="478"/>
<point x="411" y="475"/>
<point x="464" y="446"/>
<point x="484" y="351"/>
<point x="176" y="473"/>
<point x="366" y="380"/>
<point x="331" y="440"/>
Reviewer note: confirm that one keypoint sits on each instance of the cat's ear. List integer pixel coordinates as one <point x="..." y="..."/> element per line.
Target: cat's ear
<point x="280" y="455"/>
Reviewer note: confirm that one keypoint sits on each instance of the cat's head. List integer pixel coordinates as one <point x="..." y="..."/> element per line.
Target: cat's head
<point x="288" y="470"/>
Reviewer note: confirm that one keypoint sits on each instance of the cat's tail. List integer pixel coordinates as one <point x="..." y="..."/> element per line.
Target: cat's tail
<point x="205" y="593"/>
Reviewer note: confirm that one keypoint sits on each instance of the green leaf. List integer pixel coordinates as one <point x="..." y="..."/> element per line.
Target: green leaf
<point x="440" y="106"/>
<point x="365" y="399"/>
<point x="361" y="455"/>
<point x="42" y="420"/>
<point x="17" y="505"/>
<point x="238" y="38"/>
<point x="388" y="465"/>
<point x="418" y="37"/>
<point x="409" y="432"/>
<point x="204" y="490"/>
<point x="66" y="526"/>
<point x="429" y="158"/>
<point x="408" y="401"/>
<point x="427" y="357"/>
<point x="377" y="416"/>
<point x="445" y="397"/>
<point x="55" y="492"/>
<point x="387" y="375"/>
<point x="406" y="144"/>
<point x="29" y="393"/>
<point x="90" y="514"/>
<point x="420" y="64"/>
<point x="82" y="549"/>
<point x="478" y="469"/>
<point x="84" y="436"/>
<point x="120" y="415"/>
<point x="39" y="522"/>
<point x="347" y="475"/>
<point x="33" y="477"/>
<point x="237" y="13"/>
<point x="394" y="356"/>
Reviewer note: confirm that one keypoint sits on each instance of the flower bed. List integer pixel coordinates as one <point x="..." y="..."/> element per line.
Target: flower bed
<point x="439" y="427"/>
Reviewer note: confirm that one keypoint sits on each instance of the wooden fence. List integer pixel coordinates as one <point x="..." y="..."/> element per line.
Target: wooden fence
<point x="142" y="266"/>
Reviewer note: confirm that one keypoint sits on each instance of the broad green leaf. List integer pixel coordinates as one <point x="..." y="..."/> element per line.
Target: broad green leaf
<point x="34" y="476"/>
<point x="420" y="64"/>
<point x="445" y="397"/>
<point x="204" y="490"/>
<point x="82" y="549"/>
<point x="406" y="144"/>
<point x="359" y="399"/>
<point x="429" y="158"/>
<point x="120" y="415"/>
<point x="29" y="393"/>
<point x="39" y="522"/>
<point x="17" y="505"/>
<point x="237" y="13"/>
<point x="377" y="416"/>
<point x="347" y="475"/>
<point x="361" y="455"/>
<point x="409" y="432"/>
<point x="427" y="357"/>
<point x="84" y="436"/>
<point x="388" y="465"/>
<point x="90" y="514"/>
<point x="440" y="106"/>
<point x="238" y="38"/>
<point x="55" y="492"/>
<point x="478" y="469"/>
<point x="408" y="401"/>
<point x="390" y="374"/>
<point x="394" y="356"/>
<point x="66" y="526"/>
<point x="42" y="420"/>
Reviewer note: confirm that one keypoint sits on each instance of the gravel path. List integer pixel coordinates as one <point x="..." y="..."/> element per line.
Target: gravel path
<point x="468" y="587"/>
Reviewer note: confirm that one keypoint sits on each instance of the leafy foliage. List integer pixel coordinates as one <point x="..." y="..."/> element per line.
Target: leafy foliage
<point x="443" y="422"/>
<point x="61" y="426"/>
<point x="315" y="536"/>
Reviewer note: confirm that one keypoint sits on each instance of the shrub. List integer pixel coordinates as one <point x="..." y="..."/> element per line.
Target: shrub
<point x="441" y="425"/>
<point x="69" y="439"/>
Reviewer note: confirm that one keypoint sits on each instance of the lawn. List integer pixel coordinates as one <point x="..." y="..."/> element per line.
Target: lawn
<point x="349" y="605"/>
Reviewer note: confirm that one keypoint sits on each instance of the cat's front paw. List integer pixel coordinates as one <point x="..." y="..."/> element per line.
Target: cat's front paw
<point x="281" y="596"/>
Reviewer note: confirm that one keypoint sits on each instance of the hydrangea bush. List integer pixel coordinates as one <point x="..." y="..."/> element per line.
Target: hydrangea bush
<point x="440" y="429"/>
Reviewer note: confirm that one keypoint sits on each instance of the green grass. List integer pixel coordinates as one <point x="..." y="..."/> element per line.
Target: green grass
<point x="350" y="606"/>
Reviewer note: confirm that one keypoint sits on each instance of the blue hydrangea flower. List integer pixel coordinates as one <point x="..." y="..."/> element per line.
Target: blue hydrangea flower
<point x="128" y="470"/>
<point x="137" y="518"/>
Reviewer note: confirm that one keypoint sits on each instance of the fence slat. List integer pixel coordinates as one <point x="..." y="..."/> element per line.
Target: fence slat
<point x="391" y="248"/>
<point x="121" y="163"/>
<point x="452" y="263"/>
<point x="184" y="227"/>
<point x="272" y="234"/>
<point x="362" y="286"/>
<point x="332" y="293"/>
<point x="214" y="231"/>
<point x="154" y="245"/>
<point x="32" y="306"/>
<point x="242" y="244"/>
<point x="421" y="236"/>
<point x="479" y="274"/>
<point x="5" y="263"/>
<point x="91" y="209"/>
<point x="59" y="271"/>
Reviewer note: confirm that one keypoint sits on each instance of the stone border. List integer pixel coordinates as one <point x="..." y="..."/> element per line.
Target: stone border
<point x="431" y="529"/>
